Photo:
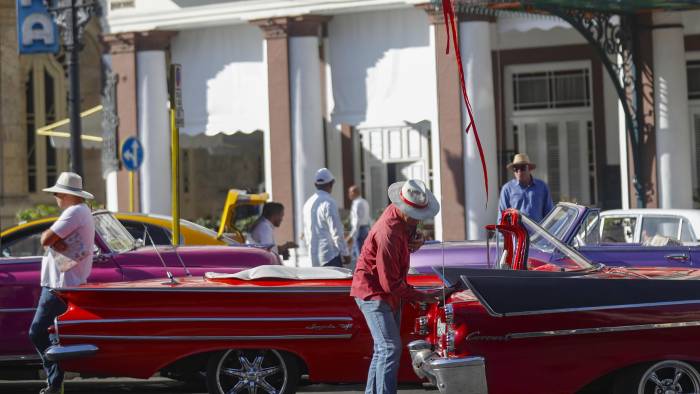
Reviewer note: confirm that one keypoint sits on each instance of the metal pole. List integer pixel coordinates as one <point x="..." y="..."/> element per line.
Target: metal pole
<point x="175" y="173"/>
<point x="76" y="147"/>
<point x="131" y="191"/>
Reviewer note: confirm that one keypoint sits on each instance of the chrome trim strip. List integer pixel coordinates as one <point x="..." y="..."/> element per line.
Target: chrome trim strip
<point x="227" y="289"/>
<point x="223" y="289"/>
<point x="601" y="330"/>
<point x="204" y="319"/>
<point x="17" y="310"/>
<point x="207" y="338"/>
<point x="599" y="308"/>
<point x="21" y="357"/>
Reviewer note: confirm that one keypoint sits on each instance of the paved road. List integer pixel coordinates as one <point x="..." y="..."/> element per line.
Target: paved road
<point x="162" y="385"/>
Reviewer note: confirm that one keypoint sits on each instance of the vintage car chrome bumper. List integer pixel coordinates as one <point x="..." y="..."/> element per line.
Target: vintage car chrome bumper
<point x="465" y="375"/>
<point x="58" y="352"/>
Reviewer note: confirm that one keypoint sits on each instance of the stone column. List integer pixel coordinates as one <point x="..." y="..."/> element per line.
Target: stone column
<point x="296" y="114"/>
<point x="154" y="131"/>
<point x="464" y="211"/>
<point x="122" y="49"/>
<point x="450" y="134"/>
<point x="672" y="117"/>
<point x="134" y="58"/>
<point x="13" y="137"/>
<point x="475" y="47"/>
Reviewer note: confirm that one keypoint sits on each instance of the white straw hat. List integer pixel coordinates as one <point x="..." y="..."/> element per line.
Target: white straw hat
<point x="414" y="199"/>
<point x="521" y="159"/>
<point x="70" y="183"/>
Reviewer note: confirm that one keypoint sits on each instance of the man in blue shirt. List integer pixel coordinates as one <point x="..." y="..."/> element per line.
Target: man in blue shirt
<point x="525" y="193"/>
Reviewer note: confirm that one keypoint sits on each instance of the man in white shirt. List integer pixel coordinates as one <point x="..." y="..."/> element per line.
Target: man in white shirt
<point x="67" y="262"/>
<point x="263" y="230"/>
<point x="323" y="230"/>
<point x="359" y="220"/>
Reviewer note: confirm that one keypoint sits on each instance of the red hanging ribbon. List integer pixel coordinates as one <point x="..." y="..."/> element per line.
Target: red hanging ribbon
<point x="451" y="27"/>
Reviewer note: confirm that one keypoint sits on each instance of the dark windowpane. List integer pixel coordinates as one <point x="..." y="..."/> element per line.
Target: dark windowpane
<point x="694" y="80"/>
<point x="31" y="138"/>
<point x="50" y="108"/>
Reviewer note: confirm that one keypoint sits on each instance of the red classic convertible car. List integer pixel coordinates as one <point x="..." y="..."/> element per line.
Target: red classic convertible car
<point x="557" y="326"/>
<point x="260" y="334"/>
<point x="552" y="330"/>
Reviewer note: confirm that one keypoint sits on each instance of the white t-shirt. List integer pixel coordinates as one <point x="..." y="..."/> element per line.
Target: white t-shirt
<point x="359" y="215"/>
<point x="76" y="227"/>
<point x="263" y="233"/>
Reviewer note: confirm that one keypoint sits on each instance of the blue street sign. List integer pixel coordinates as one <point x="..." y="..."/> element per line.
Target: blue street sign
<point x="132" y="154"/>
<point x="36" y="30"/>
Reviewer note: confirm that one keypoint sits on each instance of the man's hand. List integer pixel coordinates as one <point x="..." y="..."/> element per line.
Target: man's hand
<point x="416" y="242"/>
<point x="59" y="246"/>
<point x="346" y="260"/>
<point x="49" y="239"/>
<point x="430" y="297"/>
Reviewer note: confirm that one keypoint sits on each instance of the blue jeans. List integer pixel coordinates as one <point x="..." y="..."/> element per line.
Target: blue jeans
<point x="48" y="308"/>
<point x="384" y="324"/>
<point x="362" y="233"/>
<point x="336" y="261"/>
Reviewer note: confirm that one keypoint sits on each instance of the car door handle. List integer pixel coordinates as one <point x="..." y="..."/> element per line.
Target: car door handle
<point x="683" y="258"/>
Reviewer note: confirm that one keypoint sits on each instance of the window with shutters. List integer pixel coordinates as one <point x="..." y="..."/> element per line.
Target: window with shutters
<point x="45" y="95"/>
<point x="693" y="71"/>
<point x="550" y="114"/>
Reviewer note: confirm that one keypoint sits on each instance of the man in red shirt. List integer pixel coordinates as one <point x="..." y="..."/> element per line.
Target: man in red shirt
<point x="380" y="284"/>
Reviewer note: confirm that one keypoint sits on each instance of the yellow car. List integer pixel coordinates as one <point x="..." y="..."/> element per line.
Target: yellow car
<point x="159" y="231"/>
<point x="158" y="226"/>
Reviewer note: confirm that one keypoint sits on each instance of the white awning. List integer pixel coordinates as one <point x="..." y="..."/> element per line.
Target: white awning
<point x="224" y="84"/>
<point x="91" y="135"/>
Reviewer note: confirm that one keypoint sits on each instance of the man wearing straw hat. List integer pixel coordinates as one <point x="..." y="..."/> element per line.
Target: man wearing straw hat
<point x="380" y="285"/>
<point x="67" y="262"/>
<point x="524" y="192"/>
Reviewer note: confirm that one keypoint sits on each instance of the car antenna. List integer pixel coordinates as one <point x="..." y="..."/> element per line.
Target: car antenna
<point x="187" y="270"/>
<point x="172" y="279"/>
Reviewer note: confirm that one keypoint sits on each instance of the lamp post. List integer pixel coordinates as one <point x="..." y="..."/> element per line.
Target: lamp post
<point x="72" y="16"/>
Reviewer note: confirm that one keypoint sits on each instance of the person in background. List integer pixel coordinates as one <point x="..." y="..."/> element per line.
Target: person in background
<point x="359" y="220"/>
<point x="68" y="261"/>
<point x="323" y="230"/>
<point x="380" y="285"/>
<point x="524" y="192"/>
<point x="263" y="230"/>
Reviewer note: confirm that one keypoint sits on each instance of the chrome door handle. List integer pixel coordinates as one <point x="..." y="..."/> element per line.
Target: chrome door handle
<point x="683" y="258"/>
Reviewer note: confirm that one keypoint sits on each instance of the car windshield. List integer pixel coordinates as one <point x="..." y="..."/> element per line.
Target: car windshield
<point x="547" y="251"/>
<point x="560" y="220"/>
<point x="209" y="232"/>
<point x="113" y="233"/>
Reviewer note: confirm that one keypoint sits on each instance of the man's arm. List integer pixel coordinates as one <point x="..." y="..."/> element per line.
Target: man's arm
<point x="388" y="271"/>
<point x="354" y="220"/>
<point x="51" y="239"/>
<point x="548" y="204"/>
<point x="336" y="227"/>
<point x="502" y="203"/>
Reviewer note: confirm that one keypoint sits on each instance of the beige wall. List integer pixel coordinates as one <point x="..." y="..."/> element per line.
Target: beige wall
<point x="14" y="195"/>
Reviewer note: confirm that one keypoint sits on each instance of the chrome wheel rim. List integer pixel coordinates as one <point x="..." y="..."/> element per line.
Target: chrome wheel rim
<point x="251" y="371"/>
<point x="670" y="377"/>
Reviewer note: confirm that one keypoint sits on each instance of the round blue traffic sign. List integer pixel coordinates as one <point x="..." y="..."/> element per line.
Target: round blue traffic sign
<point x="132" y="154"/>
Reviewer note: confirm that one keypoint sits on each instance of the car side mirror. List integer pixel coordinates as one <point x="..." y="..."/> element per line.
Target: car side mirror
<point x="139" y="243"/>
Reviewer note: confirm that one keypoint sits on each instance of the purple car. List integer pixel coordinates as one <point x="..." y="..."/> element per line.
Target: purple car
<point x="118" y="257"/>
<point x="574" y="225"/>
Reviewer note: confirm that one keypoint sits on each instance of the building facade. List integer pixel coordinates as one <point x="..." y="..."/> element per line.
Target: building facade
<point x="274" y="90"/>
<point x="33" y="93"/>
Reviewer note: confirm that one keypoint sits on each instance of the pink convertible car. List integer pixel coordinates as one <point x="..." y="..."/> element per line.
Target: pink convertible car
<point x="118" y="257"/>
